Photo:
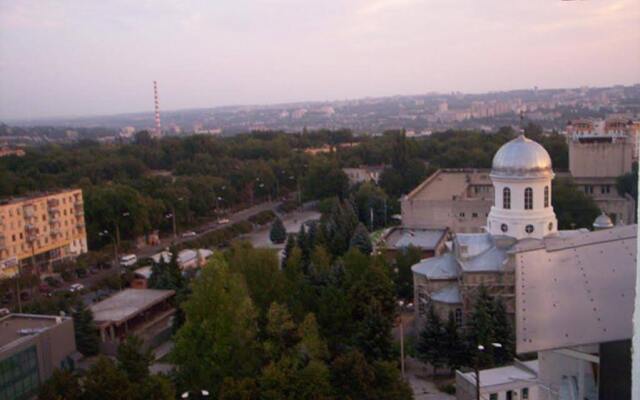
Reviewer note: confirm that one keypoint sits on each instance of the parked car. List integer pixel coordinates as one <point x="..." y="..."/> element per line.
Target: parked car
<point x="189" y="234"/>
<point x="52" y="282"/>
<point x="76" y="287"/>
<point x="128" y="260"/>
<point x="223" y="221"/>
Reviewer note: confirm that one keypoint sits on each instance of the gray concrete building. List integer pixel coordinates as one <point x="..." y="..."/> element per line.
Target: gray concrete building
<point x="31" y="348"/>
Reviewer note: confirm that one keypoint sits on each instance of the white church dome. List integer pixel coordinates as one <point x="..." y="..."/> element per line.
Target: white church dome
<point x="522" y="157"/>
<point x="602" y="222"/>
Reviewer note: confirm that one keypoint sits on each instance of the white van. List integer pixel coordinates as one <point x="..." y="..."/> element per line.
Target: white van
<point x="128" y="260"/>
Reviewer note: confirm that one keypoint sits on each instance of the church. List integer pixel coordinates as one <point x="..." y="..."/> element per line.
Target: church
<point x="570" y="292"/>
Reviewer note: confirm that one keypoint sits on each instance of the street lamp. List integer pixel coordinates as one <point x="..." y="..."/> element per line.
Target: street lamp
<point x="477" y="367"/>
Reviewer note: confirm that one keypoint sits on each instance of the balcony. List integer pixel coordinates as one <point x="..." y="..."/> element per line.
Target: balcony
<point x="29" y="211"/>
<point x="80" y="225"/>
<point x="53" y="203"/>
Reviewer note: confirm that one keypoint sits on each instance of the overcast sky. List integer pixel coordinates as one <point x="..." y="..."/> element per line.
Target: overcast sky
<point x="68" y="57"/>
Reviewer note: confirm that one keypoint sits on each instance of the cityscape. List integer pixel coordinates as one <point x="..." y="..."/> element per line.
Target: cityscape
<point x="455" y="244"/>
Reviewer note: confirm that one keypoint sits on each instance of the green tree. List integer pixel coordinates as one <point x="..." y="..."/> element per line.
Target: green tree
<point x="104" y="381"/>
<point x="628" y="184"/>
<point x="431" y="343"/>
<point x="134" y="360"/>
<point x="218" y="338"/>
<point x="481" y="328"/>
<point x="503" y="331"/>
<point x="454" y="348"/>
<point x="324" y="179"/>
<point x="370" y="202"/>
<point x="573" y="208"/>
<point x="167" y="276"/>
<point x="278" y="233"/>
<point x="405" y="259"/>
<point x="62" y="385"/>
<point x="360" y="240"/>
<point x="86" y="332"/>
<point x="288" y="247"/>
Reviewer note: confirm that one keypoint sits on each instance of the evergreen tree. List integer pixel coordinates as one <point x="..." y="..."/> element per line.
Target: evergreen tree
<point x="167" y="276"/>
<point x="288" y="247"/>
<point x="86" y="332"/>
<point x="62" y="385"/>
<point x="278" y="233"/>
<point x="454" y="346"/>
<point x="405" y="259"/>
<point x="432" y="340"/>
<point x="481" y="328"/>
<point x="503" y="332"/>
<point x="104" y="381"/>
<point x="134" y="360"/>
<point x="361" y="240"/>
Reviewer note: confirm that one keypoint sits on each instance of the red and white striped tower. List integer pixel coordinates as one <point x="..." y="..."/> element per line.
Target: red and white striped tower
<point x="158" y="132"/>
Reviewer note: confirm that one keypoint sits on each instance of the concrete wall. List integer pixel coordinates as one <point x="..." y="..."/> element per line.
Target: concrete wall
<point x="559" y="372"/>
<point x="600" y="159"/>
<point x="458" y="215"/>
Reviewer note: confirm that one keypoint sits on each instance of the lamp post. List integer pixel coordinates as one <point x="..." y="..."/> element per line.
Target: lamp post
<point x="105" y="233"/>
<point x="477" y="366"/>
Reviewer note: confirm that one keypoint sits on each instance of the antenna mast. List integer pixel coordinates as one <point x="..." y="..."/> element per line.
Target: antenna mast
<point x="158" y="132"/>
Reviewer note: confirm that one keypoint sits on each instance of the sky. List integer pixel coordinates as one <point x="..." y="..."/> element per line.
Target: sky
<point x="92" y="57"/>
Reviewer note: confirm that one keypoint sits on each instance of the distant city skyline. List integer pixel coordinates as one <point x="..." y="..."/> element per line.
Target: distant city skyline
<point x="77" y="58"/>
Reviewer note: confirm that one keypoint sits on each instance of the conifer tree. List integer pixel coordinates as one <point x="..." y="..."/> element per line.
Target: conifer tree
<point x="87" y="340"/>
<point x="278" y="233"/>
<point x="503" y="332"/>
<point x="360" y="240"/>
<point x="431" y="342"/>
<point x="288" y="248"/>
<point x="454" y="346"/>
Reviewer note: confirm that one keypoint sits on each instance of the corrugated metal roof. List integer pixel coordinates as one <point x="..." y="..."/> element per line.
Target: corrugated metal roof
<point x="576" y="290"/>
<point x="492" y="260"/>
<point x="442" y="267"/>
<point x="449" y="294"/>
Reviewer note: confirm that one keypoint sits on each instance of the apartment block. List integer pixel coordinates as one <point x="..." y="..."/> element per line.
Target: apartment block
<point x="40" y="231"/>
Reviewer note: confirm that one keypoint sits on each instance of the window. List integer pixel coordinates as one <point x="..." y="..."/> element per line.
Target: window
<point x="474" y="215"/>
<point x="546" y="196"/>
<point x="509" y="394"/>
<point x="493" y="396"/>
<point x="528" y="199"/>
<point x="504" y="227"/>
<point x="588" y="189"/>
<point x="529" y="229"/>
<point x="458" y="316"/>
<point x="604" y="189"/>
<point x="506" y="198"/>
<point x="461" y="215"/>
<point x="550" y="226"/>
<point x="525" y="393"/>
<point x="19" y="375"/>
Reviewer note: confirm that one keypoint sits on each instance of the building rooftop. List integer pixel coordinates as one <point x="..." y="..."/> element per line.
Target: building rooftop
<point x="442" y="267"/>
<point x="427" y="239"/>
<point x="14" y="327"/>
<point x="32" y="196"/>
<point x="575" y="290"/>
<point x="449" y="294"/>
<point x="127" y="303"/>
<point x="449" y="184"/>
<point x="521" y="371"/>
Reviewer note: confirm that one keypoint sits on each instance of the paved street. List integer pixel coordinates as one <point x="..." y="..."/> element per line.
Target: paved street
<point x="291" y="221"/>
<point x="423" y="388"/>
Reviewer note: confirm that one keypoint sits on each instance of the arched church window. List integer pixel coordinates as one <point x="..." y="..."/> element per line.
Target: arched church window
<point x="506" y="198"/>
<point x="546" y="196"/>
<point x="528" y="199"/>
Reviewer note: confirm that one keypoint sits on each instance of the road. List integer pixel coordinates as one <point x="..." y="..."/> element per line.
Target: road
<point x="291" y="221"/>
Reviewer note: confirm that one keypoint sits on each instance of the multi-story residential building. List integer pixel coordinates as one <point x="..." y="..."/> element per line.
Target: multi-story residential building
<point x="31" y="348"/>
<point x="458" y="199"/>
<point x="365" y="173"/>
<point x="614" y="129"/>
<point x="41" y="230"/>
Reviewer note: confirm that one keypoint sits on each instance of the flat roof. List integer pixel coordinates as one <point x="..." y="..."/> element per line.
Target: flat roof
<point x="34" y="196"/>
<point x="13" y="327"/>
<point x="126" y="304"/>
<point x="423" y="238"/>
<point x="504" y="375"/>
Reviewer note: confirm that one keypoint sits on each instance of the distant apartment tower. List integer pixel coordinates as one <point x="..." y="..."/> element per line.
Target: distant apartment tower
<point x="158" y="131"/>
<point x="458" y="199"/>
<point x="614" y="129"/>
<point x="43" y="229"/>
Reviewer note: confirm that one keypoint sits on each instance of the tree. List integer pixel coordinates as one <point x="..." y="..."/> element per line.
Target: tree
<point x="431" y="342"/>
<point x="133" y="360"/>
<point x="573" y="207"/>
<point x="405" y="259"/>
<point x="454" y="346"/>
<point x="62" y="385"/>
<point x="288" y="247"/>
<point x="167" y="276"/>
<point x="324" y="179"/>
<point x="278" y="233"/>
<point x="218" y="338"/>
<point x="628" y="184"/>
<point x="86" y="332"/>
<point x="481" y="328"/>
<point x="360" y="240"/>
<point x="370" y="202"/>
<point x="503" y="331"/>
<point x="104" y="381"/>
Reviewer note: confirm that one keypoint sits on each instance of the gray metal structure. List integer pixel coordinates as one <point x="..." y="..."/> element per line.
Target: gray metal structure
<point x="575" y="290"/>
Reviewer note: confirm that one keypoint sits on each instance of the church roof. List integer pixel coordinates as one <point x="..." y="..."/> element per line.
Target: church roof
<point x="449" y="294"/>
<point x="442" y="267"/>
<point x="521" y="157"/>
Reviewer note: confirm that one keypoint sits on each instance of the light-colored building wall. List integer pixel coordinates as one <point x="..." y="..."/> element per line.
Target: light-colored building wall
<point x="599" y="160"/>
<point x="49" y="228"/>
<point x="457" y="199"/>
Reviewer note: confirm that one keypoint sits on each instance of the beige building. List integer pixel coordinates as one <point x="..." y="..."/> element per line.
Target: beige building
<point x="594" y="163"/>
<point x="47" y="228"/>
<point x="458" y="199"/>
